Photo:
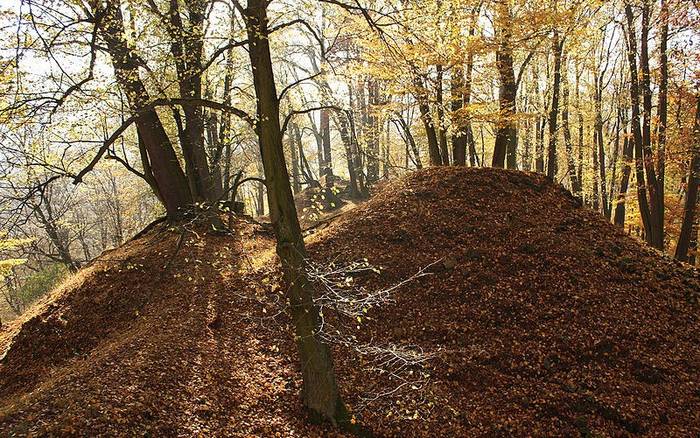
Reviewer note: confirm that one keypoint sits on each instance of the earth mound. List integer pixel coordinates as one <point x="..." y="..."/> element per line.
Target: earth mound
<point x="507" y="309"/>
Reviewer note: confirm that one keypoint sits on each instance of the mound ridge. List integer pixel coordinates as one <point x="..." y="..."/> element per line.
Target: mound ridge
<point x="548" y="320"/>
<point x="538" y="317"/>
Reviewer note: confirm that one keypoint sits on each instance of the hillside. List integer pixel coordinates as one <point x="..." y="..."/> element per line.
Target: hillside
<point x="536" y="318"/>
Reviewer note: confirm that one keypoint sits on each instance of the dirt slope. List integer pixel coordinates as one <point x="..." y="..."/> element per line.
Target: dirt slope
<point x="538" y="318"/>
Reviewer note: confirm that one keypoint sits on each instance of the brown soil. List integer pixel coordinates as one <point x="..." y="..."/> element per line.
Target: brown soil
<point x="539" y="319"/>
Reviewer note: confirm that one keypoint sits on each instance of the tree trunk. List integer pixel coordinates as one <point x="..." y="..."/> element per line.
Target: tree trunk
<point x="599" y="143"/>
<point x="637" y="129"/>
<point x="596" y="174"/>
<point x="327" y="170"/>
<point x="410" y="140"/>
<point x="430" y="132"/>
<point x="505" y="145"/>
<point x="557" y="47"/>
<point x="342" y="120"/>
<point x="294" y="152"/>
<point x="689" y="227"/>
<point x="372" y="132"/>
<point x="571" y="165"/>
<point x="662" y="112"/>
<point x="627" y="156"/>
<point x="459" y="137"/>
<point x="58" y="238"/>
<point x="442" y="137"/>
<point x="320" y="393"/>
<point x="167" y="173"/>
<point x="656" y="223"/>
<point x="187" y="48"/>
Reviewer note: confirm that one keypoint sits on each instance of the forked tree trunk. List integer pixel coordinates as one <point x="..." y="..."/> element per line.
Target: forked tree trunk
<point x="168" y="176"/>
<point x="320" y="391"/>
<point x="411" y="145"/>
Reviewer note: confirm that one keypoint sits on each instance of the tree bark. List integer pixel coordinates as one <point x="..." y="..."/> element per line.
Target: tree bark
<point x="557" y="48"/>
<point x="320" y="393"/>
<point x="627" y="157"/>
<point x="372" y="132"/>
<point x="167" y="173"/>
<point x="327" y="170"/>
<point x="505" y="145"/>
<point x="689" y="227"/>
<point x="342" y="120"/>
<point x="656" y="222"/>
<point x="442" y="132"/>
<point x="571" y="165"/>
<point x="645" y="213"/>
<point x="430" y="132"/>
<point x="410" y="140"/>
<point x="662" y="112"/>
<point x="294" y="152"/>
<point x="187" y="48"/>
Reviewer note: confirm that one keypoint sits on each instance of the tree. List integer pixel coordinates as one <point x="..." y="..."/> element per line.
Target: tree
<point x="320" y="393"/>
<point x="689" y="227"/>
<point x="557" y="48"/>
<point x="506" y="133"/>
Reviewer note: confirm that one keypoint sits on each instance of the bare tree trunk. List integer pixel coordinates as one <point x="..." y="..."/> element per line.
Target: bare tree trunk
<point x="557" y="48"/>
<point x="689" y="227"/>
<point x="320" y="393"/>
<point x="596" y="174"/>
<point x="410" y="140"/>
<point x="571" y="165"/>
<point x="458" y="98"/>
<point x="662" y="112"/>
<point x="645" y="213"/>
<point x="327" y="170"/>
<point x="540" y="123"/>
<point x="656" y="222"/>
<point x="430" y="132"/>
<point x="442" y="137"/>
<point x="613" y="162"/>
<point x="599" y="144"/>
<point x="296" y="183"/>
<point x="187" y="48"/>
<point x="58" y="238"/>
<point x="505" y="145"/>
<point x="342" y="119"/>
<point x="372" y="132"/>
<point x="627" y="157"/>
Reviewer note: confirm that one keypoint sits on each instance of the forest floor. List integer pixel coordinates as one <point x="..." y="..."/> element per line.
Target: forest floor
<point x="534" y="317"/>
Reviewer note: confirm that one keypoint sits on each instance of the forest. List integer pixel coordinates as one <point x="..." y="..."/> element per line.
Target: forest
<point x="308" y="218"/>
